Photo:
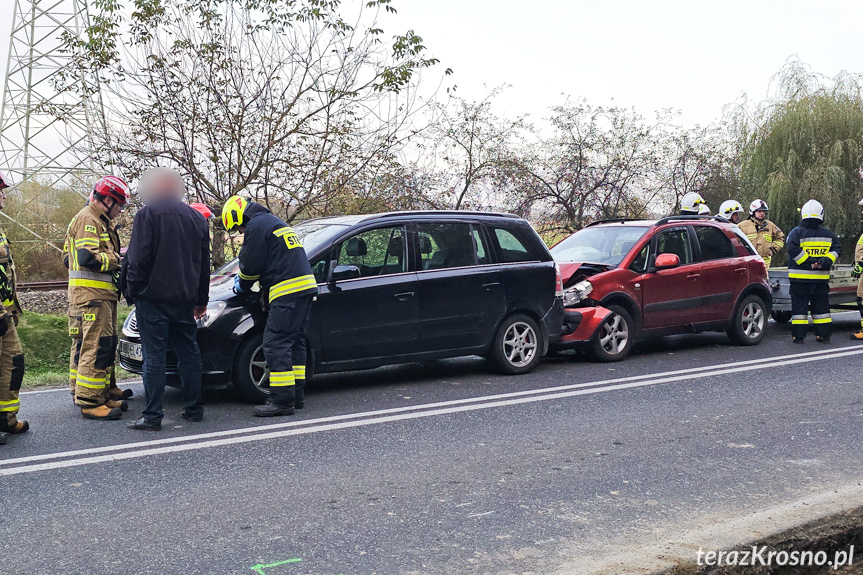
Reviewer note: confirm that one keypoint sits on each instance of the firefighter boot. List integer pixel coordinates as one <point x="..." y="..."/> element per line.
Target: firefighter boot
<point x="17" y="429"/>
<point x="2" y="438"/>
<point x="822" y="338"/>
<point x="271" y="409"/>
<point x="118" y="394"/>
<point x="857" y="335"/>
<point x="118" y="404"/>
<point x="101" y="412"/>
<point x="300" y="397"/>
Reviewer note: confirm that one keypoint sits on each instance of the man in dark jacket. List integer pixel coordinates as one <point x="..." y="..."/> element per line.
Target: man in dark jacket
<point x="812" y="251"/>
<point x="166" y="275"/>
<point x="273" y="255"/>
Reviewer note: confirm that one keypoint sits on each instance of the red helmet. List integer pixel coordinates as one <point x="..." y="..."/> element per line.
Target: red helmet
<point x="4" y="181"/>
<point x="112" y="187"/>
<point x="203" y="209"/>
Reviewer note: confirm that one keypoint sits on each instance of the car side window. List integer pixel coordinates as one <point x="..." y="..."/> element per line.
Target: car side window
<point x="675" y="242"/>
<point x="715" y="245"/>
<point x="319" y="269"/>
<point x="378" y="252"/>
<point x="448" y="245"/>
<point x="512" y="249"/>
<point x="639" y="264"/>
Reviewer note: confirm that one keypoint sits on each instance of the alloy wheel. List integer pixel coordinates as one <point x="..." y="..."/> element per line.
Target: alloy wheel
<point x="753" y="320"/>
<point x="258" y="370"/>
<point x="614" y="334"/>
<point x="520" y="344"/>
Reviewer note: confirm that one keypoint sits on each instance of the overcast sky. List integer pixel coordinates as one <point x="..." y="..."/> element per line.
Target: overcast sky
<point x="692" y="55"/>
<point x="695" y="55"/>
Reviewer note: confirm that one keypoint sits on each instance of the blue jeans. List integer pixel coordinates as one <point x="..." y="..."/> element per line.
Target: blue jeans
<point x="163" y="325"/>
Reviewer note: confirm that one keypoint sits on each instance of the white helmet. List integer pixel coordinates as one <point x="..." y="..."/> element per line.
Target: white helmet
<point x="703" y="210"/>
<point x="812" y="209"/>
<point x="757" y="206"/>
<point x="729" y="208"/>
<point x="690" y="202"/>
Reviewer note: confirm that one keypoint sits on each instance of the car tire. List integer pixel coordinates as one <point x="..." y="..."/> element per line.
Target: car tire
<point x="517" y="345"/>
<point x="749" y="322"/>
<point x="251" y="376"/>
<point x="781" y="316"/>
<point x="615" y="337"/>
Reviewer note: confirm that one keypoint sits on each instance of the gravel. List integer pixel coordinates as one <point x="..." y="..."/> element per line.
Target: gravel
<point x="52" y="302"/>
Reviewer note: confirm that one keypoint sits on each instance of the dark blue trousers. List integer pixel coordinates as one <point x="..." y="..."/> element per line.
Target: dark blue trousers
<point x="163" y="325"/>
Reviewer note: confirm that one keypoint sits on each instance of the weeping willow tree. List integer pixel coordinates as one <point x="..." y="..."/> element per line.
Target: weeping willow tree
<point x="807" y="142"/>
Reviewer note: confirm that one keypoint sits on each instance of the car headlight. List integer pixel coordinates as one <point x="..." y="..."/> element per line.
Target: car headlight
<point x="577" y="293"/>
<point x="130" y="326"/>
<point x="214" y="310"/>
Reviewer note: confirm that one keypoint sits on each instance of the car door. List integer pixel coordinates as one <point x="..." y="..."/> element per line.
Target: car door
<point x="372" y="313"/>
<point x="724" y="272"/>
<point x="671" y="296"/>
<point x="461" y="297"/>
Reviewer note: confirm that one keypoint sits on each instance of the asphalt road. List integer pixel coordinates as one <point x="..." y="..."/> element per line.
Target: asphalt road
<point x="441" y="467"/>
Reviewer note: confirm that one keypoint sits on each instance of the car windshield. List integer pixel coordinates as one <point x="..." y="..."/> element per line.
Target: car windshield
<point x="599" y="244"/>
<point x="312" y="235"/>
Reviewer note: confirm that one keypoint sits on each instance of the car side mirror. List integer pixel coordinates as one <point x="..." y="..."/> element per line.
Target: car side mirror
<point x="667" y="261"/>
<point x="341" y="273"/>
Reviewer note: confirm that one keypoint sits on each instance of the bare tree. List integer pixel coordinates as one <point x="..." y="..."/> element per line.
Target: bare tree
<point x="287" y="102"/>
<point x="597" y="163"/>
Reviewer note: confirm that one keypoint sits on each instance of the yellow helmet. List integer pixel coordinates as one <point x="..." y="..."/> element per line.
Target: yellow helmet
<point x="232" y="212"/>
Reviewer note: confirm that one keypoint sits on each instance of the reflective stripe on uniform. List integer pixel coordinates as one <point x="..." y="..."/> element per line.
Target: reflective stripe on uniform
<point x="73" y="374"/>
<point x="299" y="372"/>
<point x="105" y="262"/>
<point x="809" y="274"/>
<point x="801" y="257"/>
<point x="83" y="242"/>
<point x="248" y="278"/>
<point x="821" y="318"/>
<point x="833" y="256"/>
<point x="799" y="319"/>
<point x="779" y="244"/>
<point x="91" y="279"/>
<point x="294" y="285"/>
<point x="11" y="405"/>
<point x="91" y="382"/>
<point x="281" y="378"/>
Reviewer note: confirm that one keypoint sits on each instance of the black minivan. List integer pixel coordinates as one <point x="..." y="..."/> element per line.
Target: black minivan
<point x="394" y="288"/>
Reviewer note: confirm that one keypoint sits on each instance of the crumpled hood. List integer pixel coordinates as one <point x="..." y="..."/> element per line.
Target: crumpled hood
<point x="567" y="270"/>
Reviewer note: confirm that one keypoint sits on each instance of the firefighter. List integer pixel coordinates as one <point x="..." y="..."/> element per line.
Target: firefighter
<point x="273" y="255"/>
<point x="731" y="211"/>
<point x="690" y="204"/>
<point x="856" y="273"/>
<point x="11" y="353"/>
<point x="766" y="236"/>
<point x="812" y="251"/>
<point x="93" y="257"/>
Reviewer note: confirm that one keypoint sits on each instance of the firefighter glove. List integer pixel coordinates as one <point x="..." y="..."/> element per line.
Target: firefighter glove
<point x="857" y="271"/>
<point x="237" y="287"/>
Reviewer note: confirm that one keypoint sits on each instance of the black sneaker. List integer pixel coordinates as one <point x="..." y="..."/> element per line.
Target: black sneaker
<point x="195" y="418"/>
<point x="820" y="339"/>
<point x="145" y="425"/>
<point x="271" y="409"/>
<point x="797" y="339"/>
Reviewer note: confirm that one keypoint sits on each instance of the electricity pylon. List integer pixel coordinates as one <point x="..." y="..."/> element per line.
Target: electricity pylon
<point x="45" y="132"/>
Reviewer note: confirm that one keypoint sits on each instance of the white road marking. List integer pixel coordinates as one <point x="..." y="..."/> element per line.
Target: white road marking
<point x="487" y="402"/>
<point x="409" y="408"/>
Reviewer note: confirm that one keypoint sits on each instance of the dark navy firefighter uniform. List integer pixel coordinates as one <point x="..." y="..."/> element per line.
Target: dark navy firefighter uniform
<point x="812" y="251"/>
<point x="273" y="255"/>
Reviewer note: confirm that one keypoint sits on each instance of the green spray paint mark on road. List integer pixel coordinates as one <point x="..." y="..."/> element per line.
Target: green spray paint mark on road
<point x="259" y="569"/>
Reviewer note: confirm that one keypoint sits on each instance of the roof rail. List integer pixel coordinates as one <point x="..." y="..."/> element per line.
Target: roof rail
<point x="617" y="221"/>
<point x="447" y="212"/>
<point x="668" y="219"/>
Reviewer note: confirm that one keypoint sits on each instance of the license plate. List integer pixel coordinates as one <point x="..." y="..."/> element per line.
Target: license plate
<point x="131" y="350"/>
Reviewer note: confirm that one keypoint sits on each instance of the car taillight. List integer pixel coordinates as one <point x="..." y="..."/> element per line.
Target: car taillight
<point x="558" y="292"/>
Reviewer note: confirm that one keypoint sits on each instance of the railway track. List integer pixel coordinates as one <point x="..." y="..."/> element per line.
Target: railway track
<point x="42" y="286"/>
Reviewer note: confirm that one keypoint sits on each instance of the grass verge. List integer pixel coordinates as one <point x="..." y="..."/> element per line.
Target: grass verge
<point x="46" y="343"/>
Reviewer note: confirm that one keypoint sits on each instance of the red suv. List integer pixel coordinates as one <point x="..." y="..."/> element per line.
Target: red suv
<point x="626" y="280"/>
